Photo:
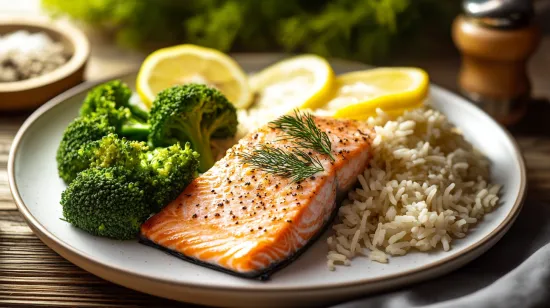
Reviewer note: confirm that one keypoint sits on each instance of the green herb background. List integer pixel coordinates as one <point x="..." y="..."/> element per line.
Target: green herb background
<point x="366" y="30"/>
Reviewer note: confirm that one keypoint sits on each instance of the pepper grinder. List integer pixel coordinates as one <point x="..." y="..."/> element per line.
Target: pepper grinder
<point x="496" y="39"/>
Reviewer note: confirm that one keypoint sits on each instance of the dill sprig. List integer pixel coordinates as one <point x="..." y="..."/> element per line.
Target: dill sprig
<point x="295" y="164"/>
<point x="302" y="130"/>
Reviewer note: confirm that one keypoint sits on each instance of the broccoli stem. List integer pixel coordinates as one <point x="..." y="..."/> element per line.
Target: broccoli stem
<point x="135" y="130"/>
<point x="200" y="141"/>
<point x="141" y="114"/>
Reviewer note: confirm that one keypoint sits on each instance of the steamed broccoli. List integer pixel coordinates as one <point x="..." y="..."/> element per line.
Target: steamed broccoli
<point x="124" y="183"/>
<point x="192" y="113"/>
<point x="108" y="202"/>
<point x="112" y="99"/>
<point x="171" y="169"/>
<point x="113" y="151"/>
<point x="105" y="110"/>
<point x="80" y="132"/>
<point x="89" y="142"/>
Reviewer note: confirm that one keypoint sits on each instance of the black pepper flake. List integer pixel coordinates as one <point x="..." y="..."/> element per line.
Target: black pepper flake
<point x="236" y="222"/>
<point x="251" y="230"/>
<point x="244" y="207"/>
<point x="226" y="201"/>
<point x="220" y="204"/>
<point x="312" y="178"/>
<point x="260" y="228"/>
<point x="188" y="195"/>
<point x="234" y="217"/>
<point x="195" y="215"/>
<point x="276" y="185"/>
<point x="205" y="216"/>
<point x="289" y="221"/>
<point x="197" y="205"/>
<point x="217" y="214"/>
<point x="226" y="165"/>
<point x="265" y="230"/>
<point x="247" y="183"/>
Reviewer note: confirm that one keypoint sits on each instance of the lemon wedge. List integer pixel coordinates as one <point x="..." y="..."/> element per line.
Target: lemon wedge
<point x="358" y="94"/>
<point x="299" y="82"/>
<point x="188" y="63"/>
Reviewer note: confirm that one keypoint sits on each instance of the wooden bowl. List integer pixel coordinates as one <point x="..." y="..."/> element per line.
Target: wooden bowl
<point x="31" y="93"/>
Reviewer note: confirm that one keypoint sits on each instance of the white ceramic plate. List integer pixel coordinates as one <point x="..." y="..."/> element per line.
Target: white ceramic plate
<point x="37" y="188"/>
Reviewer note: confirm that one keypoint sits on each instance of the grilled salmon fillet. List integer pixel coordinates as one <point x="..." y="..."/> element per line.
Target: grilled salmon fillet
<point x="248" y="222"/>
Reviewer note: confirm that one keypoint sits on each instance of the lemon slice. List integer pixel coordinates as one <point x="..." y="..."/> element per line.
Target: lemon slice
<point x="298" y="82"/>
<point x="358" y="94"/>
<point x="192" y="64"/>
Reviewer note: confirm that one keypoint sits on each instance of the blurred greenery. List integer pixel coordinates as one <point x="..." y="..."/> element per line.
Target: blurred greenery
<point x="366" y="30"/>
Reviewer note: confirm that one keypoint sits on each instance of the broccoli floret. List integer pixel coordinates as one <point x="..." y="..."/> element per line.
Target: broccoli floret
<point x="113" y="100"/>
<point x="192" y="113"/>
<point x="112" y="151"/>
<point x="80" y="148"/>
<point x="171" y="169"/>
<point x="80" y="132"/>
<point x="124" y="184"/>
<point x="166" y="171"/>
<point x="109" y="202"/>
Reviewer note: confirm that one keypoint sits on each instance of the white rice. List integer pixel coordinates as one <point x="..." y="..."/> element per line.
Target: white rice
<point x="425" y="186"/>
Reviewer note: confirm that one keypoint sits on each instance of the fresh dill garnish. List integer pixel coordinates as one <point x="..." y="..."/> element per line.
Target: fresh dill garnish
<point x="295" y="164"/>
<point x="302" y="130"/>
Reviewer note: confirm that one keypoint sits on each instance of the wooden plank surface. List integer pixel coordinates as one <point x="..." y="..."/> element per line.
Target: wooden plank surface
<point x="32" y="275"/>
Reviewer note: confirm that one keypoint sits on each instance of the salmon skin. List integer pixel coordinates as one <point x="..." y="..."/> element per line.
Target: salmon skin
<point x="244" y="221"/>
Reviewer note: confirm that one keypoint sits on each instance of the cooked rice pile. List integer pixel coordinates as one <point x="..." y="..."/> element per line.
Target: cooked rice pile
<point x="425" y="186"/>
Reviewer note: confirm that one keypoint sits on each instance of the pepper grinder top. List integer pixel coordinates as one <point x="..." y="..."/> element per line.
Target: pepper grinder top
<point x="496" y="39"/>
<point x="500" y="13"/>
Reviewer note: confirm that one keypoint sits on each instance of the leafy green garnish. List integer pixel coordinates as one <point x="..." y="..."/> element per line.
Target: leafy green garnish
<point x="296" y="164"/>
<point x="302" y="130"/>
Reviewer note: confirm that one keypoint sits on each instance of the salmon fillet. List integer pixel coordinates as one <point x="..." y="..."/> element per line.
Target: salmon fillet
<point x="248" y="222"/>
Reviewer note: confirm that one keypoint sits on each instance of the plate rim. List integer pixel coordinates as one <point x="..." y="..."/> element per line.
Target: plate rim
<point x="58" y="244"/>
